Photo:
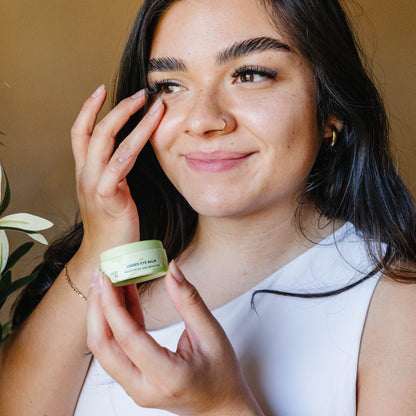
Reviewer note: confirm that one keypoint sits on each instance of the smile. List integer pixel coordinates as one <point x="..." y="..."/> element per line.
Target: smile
<point x="215" y="162"/>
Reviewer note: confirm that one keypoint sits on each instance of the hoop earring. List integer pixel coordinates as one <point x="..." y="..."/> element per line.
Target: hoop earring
<point x="334" y="137"/>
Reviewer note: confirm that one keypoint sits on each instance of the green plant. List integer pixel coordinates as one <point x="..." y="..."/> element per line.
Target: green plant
<point x="27" y="223"/>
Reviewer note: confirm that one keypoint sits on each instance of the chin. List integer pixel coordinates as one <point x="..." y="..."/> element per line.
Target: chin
<point x="219" y="207"/>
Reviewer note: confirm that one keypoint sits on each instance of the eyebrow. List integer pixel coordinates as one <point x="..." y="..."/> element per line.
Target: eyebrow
<point x="250" y="46"/>
<point x="237" y="50"/>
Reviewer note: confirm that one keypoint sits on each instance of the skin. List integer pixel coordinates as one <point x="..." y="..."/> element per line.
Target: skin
<point x="283" y="139"/>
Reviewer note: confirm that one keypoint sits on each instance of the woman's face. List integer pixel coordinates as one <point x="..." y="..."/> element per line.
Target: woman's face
<point x="240" y="131"/>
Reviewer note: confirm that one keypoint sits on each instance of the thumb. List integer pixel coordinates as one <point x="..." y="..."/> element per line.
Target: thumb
<point x="187" y="301"/>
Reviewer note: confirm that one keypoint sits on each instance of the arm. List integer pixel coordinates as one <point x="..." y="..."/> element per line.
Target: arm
<point x="43" y="365"/>
<point x="387" y="365"/>
<point x="203" y="377"/>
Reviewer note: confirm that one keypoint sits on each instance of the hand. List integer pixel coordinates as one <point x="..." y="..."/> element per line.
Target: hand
<point x="108" y="212"/>
<point x="203" y="376"/>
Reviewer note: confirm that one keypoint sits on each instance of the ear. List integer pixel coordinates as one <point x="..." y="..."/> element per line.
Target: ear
<point x="331" y="124"/>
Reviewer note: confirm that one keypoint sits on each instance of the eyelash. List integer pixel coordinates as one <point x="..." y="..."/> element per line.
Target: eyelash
<point x="157" y="86"/>
<point x="254" y="70"/>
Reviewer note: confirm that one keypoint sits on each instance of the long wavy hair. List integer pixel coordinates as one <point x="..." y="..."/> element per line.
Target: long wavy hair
<point x="355" y="181"/>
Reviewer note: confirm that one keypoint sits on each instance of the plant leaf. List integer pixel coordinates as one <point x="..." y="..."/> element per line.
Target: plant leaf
<point x="16" y="285"/>
<point x="5" y="330"/>
<point x="5" y="282"/>
<point x="38" y="237"/>
<point x="4" y="251"/>
<point x="17" y="255"/>
<point x="6" y="195"/>
<point x="25" y="222"/>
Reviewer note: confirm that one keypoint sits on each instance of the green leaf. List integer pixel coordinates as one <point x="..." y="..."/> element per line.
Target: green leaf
<point x="5" y="283"/>
<point x="16" y="285"/>
<point x="6" y="196"/>
<point x="17" y="255"/>
<point x="5" y="330"/>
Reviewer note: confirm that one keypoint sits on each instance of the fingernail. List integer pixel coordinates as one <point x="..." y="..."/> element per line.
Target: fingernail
<point x="138" y="94"/>
<point x="156" y="106"/>
<point x="100" y="282"/>
<point x="125" y="156"/>
<point x="98" y="91"/>
<point x="95" y="276"/>
<point x="176" y="273"/>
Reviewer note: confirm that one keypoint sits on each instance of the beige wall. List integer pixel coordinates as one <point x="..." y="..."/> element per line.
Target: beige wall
<point x="54" y="53"/>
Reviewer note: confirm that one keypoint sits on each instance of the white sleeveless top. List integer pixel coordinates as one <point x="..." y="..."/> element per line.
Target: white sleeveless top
<point x="299" y="356"/>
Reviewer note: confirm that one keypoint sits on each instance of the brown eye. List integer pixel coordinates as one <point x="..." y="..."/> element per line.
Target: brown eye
<point x="253" y="74"/>
<point x="247" y="77"/>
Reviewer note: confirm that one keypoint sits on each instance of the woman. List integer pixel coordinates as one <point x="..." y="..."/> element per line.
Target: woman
<point x="268" y="177"/>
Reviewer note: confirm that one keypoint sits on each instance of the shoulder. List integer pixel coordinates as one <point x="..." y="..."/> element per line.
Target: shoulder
<point x="387" y="364"/>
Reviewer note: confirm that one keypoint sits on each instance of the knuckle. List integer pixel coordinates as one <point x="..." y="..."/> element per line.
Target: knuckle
<point x="122" y="148"/>
<point x="123" y="339"/>
<point x="104" y="191"/>
<point x="147" y="121"/>
<point x="76" y="130"/>
<point x="171" y="390"/>
<point x="193" y="297"/>
<point x="99" y="129"/>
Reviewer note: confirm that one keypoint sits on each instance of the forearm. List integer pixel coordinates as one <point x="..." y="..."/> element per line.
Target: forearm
<point x="45" y="362"/>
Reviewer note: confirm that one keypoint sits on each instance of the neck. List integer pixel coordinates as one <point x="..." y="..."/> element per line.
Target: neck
<point x="251" y="247"/>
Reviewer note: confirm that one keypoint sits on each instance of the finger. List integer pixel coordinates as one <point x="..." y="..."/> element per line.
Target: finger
<point x="124" y="158"/>
<point x="101" y="341"/>
<point x="133" y="304"/>
<point x="201" y="326"/>
<point x="102" y="141"/>
<point x="139" y="346"/>
<point x="83" y="126"/>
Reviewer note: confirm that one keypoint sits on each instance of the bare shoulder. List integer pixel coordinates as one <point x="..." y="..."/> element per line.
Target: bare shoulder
<point x="387" y="364"/>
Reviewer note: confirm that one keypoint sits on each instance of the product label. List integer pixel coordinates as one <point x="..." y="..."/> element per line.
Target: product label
<point x="139" y="264"/>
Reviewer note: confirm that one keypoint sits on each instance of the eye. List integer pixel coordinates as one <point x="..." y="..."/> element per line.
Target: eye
<point x="253" y="74"/>
<point x="165" y="87"/>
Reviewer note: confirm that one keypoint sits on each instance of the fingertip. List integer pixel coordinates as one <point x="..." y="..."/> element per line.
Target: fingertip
<point x="98" y="91"/>
<point x="176" y="273"/>
<point x="96" y="283"/>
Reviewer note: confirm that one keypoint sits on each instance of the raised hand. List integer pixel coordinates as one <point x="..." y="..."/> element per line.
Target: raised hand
<point x="203" y="377"/>
<point x="108" y="212"/>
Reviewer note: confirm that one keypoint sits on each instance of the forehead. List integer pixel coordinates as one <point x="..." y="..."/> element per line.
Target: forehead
<point x="201" y="27"/>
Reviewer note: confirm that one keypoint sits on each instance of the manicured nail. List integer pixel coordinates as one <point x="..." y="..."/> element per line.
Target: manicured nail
<point x="125" y="156"/>
<point x="156" y="106"/>
<point x="176" y="273"/>
<point x="98" y="91"/>
<point x="95" y="276"/>
<point x="138" y="94"/>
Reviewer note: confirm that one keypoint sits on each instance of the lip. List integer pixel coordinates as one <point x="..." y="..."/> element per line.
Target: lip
<point x="215" y="162"/>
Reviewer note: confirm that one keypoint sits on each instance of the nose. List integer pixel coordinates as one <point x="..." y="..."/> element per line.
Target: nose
<point x="207" y="116"/>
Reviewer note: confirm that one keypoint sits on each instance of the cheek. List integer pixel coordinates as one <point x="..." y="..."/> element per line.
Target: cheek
<point x="280" y="120"/>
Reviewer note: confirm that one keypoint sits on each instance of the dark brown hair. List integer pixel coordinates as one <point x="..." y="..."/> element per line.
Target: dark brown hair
<point x="355" y="181"/>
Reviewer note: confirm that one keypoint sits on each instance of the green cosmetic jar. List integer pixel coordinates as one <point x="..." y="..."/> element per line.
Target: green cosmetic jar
<point x="135" y="262"/>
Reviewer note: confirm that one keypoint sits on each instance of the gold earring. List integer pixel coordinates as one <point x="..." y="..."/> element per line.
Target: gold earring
<point x="334" y="137"/>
